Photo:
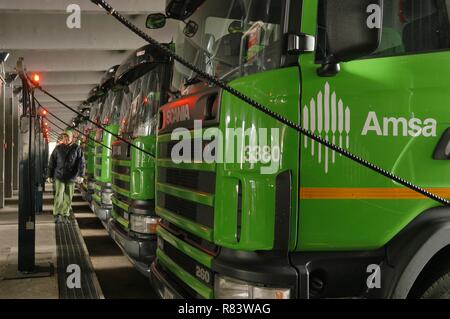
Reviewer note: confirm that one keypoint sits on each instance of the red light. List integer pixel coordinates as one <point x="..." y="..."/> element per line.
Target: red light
<point x="146" y="100"/>
<point x="46" y="124"/>
<point x="36" y="78"/>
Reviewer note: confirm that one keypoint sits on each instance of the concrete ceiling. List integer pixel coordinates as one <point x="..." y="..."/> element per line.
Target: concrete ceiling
<point x="72" y="61"/>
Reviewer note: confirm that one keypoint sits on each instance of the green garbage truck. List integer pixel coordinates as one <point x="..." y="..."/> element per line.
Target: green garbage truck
<point x="109" y="119"/>
<point x="87" y="188"/>
<point x="252" y="209"/>
<point x="147" y="75"/>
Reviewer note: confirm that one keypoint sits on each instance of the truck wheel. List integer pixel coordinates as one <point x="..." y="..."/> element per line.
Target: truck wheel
<point x="433" y="282"/>
<point x="440" y="289"/>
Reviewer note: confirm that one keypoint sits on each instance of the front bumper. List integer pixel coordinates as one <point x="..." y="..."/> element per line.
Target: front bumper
<point x="140" y="251"/>
<point x="164" y="287"/>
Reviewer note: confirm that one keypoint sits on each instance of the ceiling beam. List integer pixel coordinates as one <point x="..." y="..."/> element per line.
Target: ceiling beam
<point x="67" y="60"/>
<point x="65" y="97"/>
<point x="20" y="31"/>
<point x="66" y="89"/>
<point x="128" y="6"/>
<point x="64" y="78"/>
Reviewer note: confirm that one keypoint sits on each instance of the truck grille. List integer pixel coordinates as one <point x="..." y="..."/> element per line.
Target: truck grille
<point x="185" y="201"/>
<point x="197" y="180"/>
<point x="189" y="264"/>
<point x="181" y="191"/>
<point x="121" y="212"/>
<point x="191" y="239"/>
<point x="121" y="184"/>
<point x="120" y="169"/>
<point x="185" y="196"/>
<point x="201" y="214"/>
<point x="165" y="149"/>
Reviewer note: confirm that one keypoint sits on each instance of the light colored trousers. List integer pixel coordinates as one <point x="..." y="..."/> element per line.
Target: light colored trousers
<point x="63" y="198"/>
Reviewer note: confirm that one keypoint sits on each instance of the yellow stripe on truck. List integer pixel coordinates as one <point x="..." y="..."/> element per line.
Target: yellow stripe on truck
<point x="367" y="193"/>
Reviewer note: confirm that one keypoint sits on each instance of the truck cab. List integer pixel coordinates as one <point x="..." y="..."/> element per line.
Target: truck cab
<point x="146" y="75"/>
<point x="252" y="209"/>
<point x="111" y="106"/>
<point x="87" y="188"/>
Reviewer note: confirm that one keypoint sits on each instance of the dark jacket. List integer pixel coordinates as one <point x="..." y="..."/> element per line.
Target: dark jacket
<point x="66" y="163"/>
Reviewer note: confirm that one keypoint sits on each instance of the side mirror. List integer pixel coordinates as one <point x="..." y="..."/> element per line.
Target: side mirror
<point x="190" y="29"/>
<point x="182" y="9"/>
<point x="156" y="21"/>
<point x="347" y="30"/>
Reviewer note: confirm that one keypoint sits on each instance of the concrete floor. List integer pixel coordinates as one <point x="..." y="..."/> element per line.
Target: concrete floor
<point x="117" y="277"/>
<point x="36" y="288"/>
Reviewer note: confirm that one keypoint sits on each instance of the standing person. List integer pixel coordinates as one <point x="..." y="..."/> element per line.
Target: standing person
<point x="66" y="167"/>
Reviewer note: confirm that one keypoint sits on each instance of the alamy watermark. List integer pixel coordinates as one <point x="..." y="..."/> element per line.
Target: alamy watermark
<point x="374" y="279"/>
<point x="73" y="280"/>
<point x="250" y="146"/>
<point x="73" y="21"/>
<point x="375" y="18"/>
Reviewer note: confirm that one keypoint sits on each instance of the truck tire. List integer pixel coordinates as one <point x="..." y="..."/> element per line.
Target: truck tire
<point x="433" y="282"/>
<point x="440" y="289"/>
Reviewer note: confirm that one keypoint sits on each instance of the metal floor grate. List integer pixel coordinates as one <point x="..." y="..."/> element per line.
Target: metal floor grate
<point x="72" y="251"/>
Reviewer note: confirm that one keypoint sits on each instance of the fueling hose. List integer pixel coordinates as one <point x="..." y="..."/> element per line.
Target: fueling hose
<point x="36" y="86"/>
<point x="215" y="81"/>
<point x="65" y="123"/>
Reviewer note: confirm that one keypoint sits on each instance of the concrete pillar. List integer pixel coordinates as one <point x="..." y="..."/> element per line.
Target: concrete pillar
<point x="9" y="141"/>
<point x="17" y="110"/>
<point x="2" y="136"/>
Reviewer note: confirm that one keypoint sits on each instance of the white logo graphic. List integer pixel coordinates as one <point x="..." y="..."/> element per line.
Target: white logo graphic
<point x="327" y="118"/>
<point x="392" y="126"/>
<point x="179" y="114"/>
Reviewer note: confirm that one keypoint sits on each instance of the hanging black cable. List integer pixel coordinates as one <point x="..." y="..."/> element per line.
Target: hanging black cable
<point x="53" y="123"/>
<point x="65" y="123"/>
<point x="54" y="135"/>
<point x="215" y="81"/>
<point x="92" y="122"/>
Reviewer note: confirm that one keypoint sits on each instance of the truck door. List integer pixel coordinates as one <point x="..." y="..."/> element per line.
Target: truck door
<point x="390" y="108"/>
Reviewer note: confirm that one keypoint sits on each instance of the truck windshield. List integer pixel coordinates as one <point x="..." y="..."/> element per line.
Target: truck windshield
<point x="94" y="114"/>
<point x="113" y="105"/>
<point x="234" y="38"/>
<point x="146" y="101"/>
<point x="127" y="100"/>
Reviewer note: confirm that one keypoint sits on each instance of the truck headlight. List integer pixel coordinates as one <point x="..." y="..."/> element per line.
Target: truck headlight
<point x="107" y="198"/>
<point x="143" y="224"/>
<point x="228" y="288"/>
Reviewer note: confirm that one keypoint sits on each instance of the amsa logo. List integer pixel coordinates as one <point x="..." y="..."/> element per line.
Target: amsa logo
<point x="177" y="114"/>
<point x="399" y="126"/>
<point x="327" y="116"/>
